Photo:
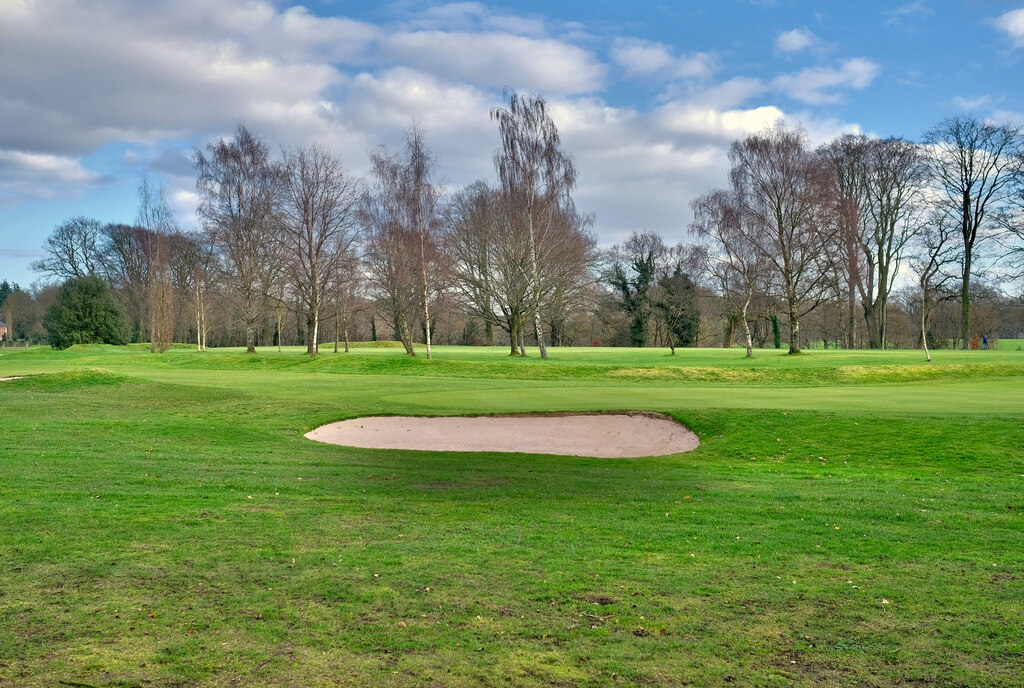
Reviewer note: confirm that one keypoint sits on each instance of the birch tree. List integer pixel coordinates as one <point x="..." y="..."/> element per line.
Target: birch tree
<point x="403" y="213"/>
<point x="536" y="174"/>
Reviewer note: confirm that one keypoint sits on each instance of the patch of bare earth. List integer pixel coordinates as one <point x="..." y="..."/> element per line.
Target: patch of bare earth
<point x="619" y="435"/>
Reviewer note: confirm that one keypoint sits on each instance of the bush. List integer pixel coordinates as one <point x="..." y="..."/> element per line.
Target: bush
<point x="85" y="312"/>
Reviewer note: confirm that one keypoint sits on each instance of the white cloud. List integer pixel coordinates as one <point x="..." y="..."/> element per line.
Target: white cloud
<point x="795" y="40"/>
<point x="25" y="176"/>
<point x="904" y="14"/>
<point x="1012" y="24"/>
<point x="496" y="60"/>
<point x="639" y="58"/>
<point x="823" y="85"/>
<point x="475" y="16"/>
<point x="972" y="103"/>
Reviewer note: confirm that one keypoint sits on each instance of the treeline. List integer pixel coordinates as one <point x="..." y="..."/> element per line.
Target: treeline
<point x="862" y="242"/>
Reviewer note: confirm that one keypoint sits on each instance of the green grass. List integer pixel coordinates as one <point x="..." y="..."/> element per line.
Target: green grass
<point x="851" y="518"/>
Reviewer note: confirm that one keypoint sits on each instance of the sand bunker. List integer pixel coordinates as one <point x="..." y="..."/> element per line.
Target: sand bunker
<point x="14" y="377"/>
<point x="605" y="435"/>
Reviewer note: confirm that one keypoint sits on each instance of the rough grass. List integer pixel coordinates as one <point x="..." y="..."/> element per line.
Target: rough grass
<point x="850" y="519"/>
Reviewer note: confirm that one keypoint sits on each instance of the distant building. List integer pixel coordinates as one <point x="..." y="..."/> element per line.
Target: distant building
<point x="3" y="329"/>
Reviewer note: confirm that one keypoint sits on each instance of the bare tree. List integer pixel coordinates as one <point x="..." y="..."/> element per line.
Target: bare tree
<point x="535" y="173"/>
<point x="935" y="249"/>
<point x="126" y="259"/>
<point x="847" y="157"/>
<point x="471" y="242"/>
<point x="192" y="255"/>
<point x="785" y="192"/>
<point x="403" y="217"/>
<point x="977" y="165"/>
<point x="490" y="255"/>
<point x="238" y="184"/>
<point x="318" y="221"/>
<point x="895" y="190"/>
<point x="73" y="250"/>
<point x="155" y="217"/>
<point x="390" y="250"/>
<point x="731" y="259"/>
<point x="423" y="207"/>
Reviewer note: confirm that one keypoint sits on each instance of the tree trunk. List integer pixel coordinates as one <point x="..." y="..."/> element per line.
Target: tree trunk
<point x="488" y="333"/>
<point x="746" y="328"/>
<point x="405" y="334"/>
<point x="794" y="325"/>
<point x="250" y="339"/>
<point x="426" y="294"/>
<point x="924" y="321"/>
<point x="535" y="270"/>
<point x="313" y="326"/>
<point x="280" y="317"/>
<point x="965" y="302"/>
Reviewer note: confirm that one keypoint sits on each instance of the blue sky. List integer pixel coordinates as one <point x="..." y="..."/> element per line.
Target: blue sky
<point x="93" y="93"/>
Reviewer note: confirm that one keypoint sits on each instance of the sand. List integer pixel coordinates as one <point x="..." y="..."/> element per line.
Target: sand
<point x="618" y="435"/>
<point x="15" y="377"/>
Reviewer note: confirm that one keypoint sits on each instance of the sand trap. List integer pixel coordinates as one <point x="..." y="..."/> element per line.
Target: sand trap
<point x="605" y="435"/>
<point x="15" y="377"/>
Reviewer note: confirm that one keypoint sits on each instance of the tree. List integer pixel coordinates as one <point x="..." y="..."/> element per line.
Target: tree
<point x="895" y="191"/>
<point x="72" y="249"/>
<point x="390" y="252"/>
<point x="879" y="193"/>
<point x="154" y="216"/>
<point x="847" y="159"/>
<point x="490" y="258"/>
<point x="85" y="312"/>
<point x="238" y="185"/>
<point x="422" y="198"/>
<point x="318" y="224"/>
<point x="731" y="258"/>
<point x="7" y="289"/>
<point x="785" y="192"/>
<point x="535" y="174"/>
<point x="675" y="301"/>
<point x="634" y="269"/>
<point x="977" y="165"/>
<point x="470" y="240"/>
<point x="935" y="249"/>
<point x="402" y="218"/>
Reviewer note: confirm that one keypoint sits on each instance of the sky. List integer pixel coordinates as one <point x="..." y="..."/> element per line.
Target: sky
<point x="647" y="95"/>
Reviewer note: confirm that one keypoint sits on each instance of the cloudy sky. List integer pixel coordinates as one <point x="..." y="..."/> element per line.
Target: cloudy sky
<point x="94" y="93"/>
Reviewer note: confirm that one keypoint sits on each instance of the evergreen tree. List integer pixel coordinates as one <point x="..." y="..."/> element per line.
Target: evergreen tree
<point x="85" y="312"/>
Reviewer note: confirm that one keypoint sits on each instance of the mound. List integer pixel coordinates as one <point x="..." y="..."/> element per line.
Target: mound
<point x="619" y="435"/>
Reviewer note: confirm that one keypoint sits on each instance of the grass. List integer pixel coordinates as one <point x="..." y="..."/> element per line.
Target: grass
<point x="851" y="518"/>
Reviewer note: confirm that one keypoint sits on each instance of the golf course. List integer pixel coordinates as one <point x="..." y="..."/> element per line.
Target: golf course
<point x="850" y="518"/>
